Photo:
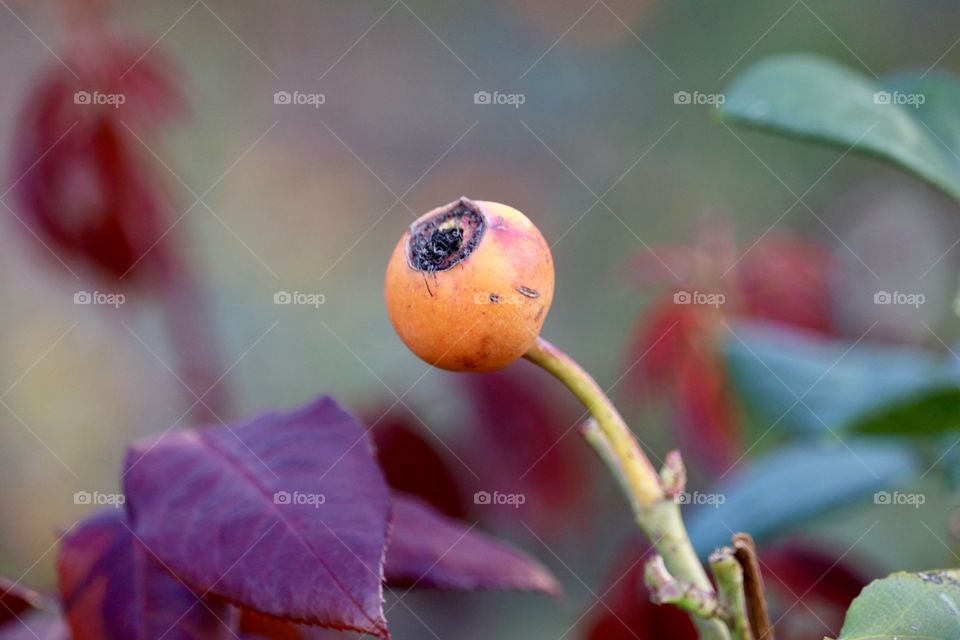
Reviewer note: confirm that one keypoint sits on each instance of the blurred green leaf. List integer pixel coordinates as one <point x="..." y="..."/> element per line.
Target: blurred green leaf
<point x="929" y="413"/>
<point x="809" y="384"/>
<point x="908" y="120"/>
<point x="792" y="485"/>
<point x="906" y="605"/>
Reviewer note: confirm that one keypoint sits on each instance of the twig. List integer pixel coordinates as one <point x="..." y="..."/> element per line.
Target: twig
<point x="746" y="554"/>
<point x="729" y="576"/>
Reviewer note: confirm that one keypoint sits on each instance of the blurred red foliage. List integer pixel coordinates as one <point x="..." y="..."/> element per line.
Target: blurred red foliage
<point x="676" y="346"/>
<point x="515" y="438"/>
<point x="84" y="183"/>
<point x="411" y="463"/>
<point x="523" y="441"/>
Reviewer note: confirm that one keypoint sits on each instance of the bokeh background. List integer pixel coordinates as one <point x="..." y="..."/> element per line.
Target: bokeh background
<point x="305" y="199"/>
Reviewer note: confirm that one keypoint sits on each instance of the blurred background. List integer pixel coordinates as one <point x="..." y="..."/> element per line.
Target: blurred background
<point x="263" y="150"/>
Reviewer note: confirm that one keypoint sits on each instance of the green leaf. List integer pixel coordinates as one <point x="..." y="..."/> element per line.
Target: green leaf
<point x="928" y="413"/>
<point x="910" y="121"/>
<point x="938" y="112"/>
<point x="806" y="384"/>
<point x="791" y="485"/>
<point x="906" y="606"/>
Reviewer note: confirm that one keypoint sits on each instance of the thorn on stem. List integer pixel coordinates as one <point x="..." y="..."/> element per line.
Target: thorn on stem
<point x="673" y="475"/>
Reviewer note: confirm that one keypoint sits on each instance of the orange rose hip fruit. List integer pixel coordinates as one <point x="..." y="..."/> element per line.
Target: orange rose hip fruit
<point x="469" y="285"/>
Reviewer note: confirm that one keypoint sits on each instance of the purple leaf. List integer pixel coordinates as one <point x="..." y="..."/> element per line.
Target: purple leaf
<point x="412" y="463"/>
<point x="256" y="626"/>
<point x="286" y="514"/>
<point x="15" y="599"/>
<point x="112" y="588"/>
<point x="429" y="549"/>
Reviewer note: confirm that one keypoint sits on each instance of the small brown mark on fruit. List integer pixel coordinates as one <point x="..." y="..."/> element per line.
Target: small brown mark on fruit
<point x="427" y="283"/>
<point x="494" y="298"/>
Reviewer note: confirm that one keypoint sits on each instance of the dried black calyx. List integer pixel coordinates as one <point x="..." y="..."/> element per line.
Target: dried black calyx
<point x="447" y="239"/>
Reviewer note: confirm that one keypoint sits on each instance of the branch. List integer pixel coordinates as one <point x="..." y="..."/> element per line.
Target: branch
<point x="729" y="576"/>
<point x="656" y="512"/>
<point x="746" y="553"/>
<point x="664" y="588"/>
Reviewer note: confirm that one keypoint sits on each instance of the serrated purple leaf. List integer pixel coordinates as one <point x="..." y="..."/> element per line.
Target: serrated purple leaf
<point x="256" y="626"/>
<point x="428" y="549"/>
<point x="111" y="588"/>
<point x="286" y="514"/>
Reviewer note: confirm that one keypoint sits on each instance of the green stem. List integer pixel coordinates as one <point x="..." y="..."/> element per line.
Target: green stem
<point x="657" y="514"/>
<point x="663" y="525"/>
<point x="729" y="576"/>
<point x="644" y="483"/>
<point x="594" y="436"/>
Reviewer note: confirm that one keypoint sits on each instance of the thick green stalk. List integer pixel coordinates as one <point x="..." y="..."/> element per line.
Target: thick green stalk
<point x="656" y="512"/>
<point x="729" y="576"/>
